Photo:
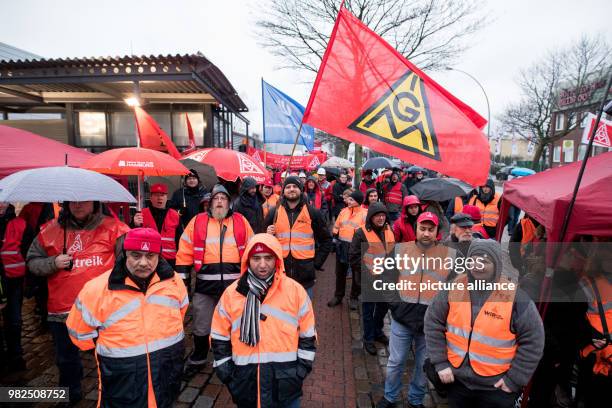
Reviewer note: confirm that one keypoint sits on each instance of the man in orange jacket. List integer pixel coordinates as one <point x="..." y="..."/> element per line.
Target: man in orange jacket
<point x="264" y="358"/>
<point x="135" y="311"/>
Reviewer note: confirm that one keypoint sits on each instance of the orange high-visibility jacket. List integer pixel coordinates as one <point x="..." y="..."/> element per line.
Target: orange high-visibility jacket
<point x="376" y="248"/>
<point x="139" y="344"/>
<point x="348" y="221"/>
<point x="93" y="253"/>
<point x="168" y="231"/>
<point x="603" y="357"/>
<point x="214" y="252"/>
<point x="271" y="373"/>
<point x="432" y="267"/>
<point x="490" y="212"/>
<point x="10" y="249"/>
<point x="270" y="203"/>
<point x="489" y="343"/>
<point x="298" y="239"/>
<point x="529" y="233"/>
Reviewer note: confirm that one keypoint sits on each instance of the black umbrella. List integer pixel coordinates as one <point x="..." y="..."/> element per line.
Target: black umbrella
<point x="378" y="163"/>
<point x="440" y="189"/>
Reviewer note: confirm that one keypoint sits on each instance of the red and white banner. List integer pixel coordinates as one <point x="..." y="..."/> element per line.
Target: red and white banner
<point x="279" y="161"/>
<point x="603" y="133"/>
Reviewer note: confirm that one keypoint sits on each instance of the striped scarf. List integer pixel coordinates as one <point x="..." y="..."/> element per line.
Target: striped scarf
<point x="249" y="325"/>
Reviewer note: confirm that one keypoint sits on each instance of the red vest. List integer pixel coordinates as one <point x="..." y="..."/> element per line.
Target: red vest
<point x="93" y="254"/>
<point x="394" y="195"/>
<point x="10" y="250"/>
<point x="168" y="232"/>
<point x="316" y="203"/>
<point x="200" y="232"/>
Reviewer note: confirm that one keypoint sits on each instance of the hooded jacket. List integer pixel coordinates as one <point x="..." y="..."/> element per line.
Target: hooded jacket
<point x="191" y="205"/>
<point x="250" y="206"/>
<point x="316" y="197"/>
<point x="24" y="240"/>
<point x="303" y="270"/>
<point x="525" y="323"/>
<point x="139" y="335"/>
<point x="271" y="373"/>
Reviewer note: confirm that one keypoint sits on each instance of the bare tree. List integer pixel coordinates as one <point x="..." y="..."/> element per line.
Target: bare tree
<point x="540" y="84"/>
<point x="431" y="33"/>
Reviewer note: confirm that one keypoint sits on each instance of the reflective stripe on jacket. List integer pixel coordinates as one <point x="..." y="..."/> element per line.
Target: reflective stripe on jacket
<point x="168" y="231"/>
<point x="297" y="239"/>
<point x="489" y="342"/>
<point x="270" y="203"/>
<point x="490" y="212"/>
<point x="349" y="219"/>
<point x="10" y="249"/>
<point x="93" y="253"/>
<point x="394" y="195"/>
<point x="376" y="248"/>
<point x="271" y="373"/>
<point x="603" y="357"/>
<point x="139" y="344"/>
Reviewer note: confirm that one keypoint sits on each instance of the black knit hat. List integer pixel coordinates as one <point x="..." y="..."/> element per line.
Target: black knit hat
<point x="293" y="180"/>
<point x="357" y="195"/>
<point x="193" y="173"/>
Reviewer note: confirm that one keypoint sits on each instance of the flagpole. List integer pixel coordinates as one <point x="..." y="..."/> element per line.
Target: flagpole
<point x="263" y="114"/>
<point x="297" y="137"/>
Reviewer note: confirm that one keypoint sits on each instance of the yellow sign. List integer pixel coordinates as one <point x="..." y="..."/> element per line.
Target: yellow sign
<point x="401" y="118"/>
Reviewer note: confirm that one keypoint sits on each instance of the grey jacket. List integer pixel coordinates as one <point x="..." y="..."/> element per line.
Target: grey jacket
<point x="525" y="323"/>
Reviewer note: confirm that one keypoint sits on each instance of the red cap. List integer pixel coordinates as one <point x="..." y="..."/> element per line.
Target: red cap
<point x="428" y="216"/>
<point x="159" y="188"/>
<point x="143" y="239"/>
<point x="260" y="248"/>
<point x="472" y="211"/>
<point x="411" y="200"/>
<point x="268" y="182"/>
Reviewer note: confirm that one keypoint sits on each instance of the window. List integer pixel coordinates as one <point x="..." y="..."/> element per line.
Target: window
<point x="560" y="117"/>
<point x="557" y="154"/>
<point x="571" y="120"/>
<point x="583" y="121"/>
<point x="163" y="120"/>
<point x="123" y="129"/>
<point x="179" y="124"/>
<point x="582" y="151"/>
<point x="92" y="129"/>
<point x="568" y="151"/>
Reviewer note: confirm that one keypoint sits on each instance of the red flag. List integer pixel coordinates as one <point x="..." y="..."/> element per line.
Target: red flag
<point x="192" y="145"/>
<point x="152" y="136"/>
<point x="368" y="93"/>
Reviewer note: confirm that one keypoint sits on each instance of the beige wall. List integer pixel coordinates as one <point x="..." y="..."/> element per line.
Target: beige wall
<point x="506" y="148"/>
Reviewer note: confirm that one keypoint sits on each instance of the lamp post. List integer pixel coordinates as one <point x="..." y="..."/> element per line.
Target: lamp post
<point x="485" y="94"/>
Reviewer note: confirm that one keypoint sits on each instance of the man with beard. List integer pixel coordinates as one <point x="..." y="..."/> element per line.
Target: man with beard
<point x="163" y="220"/>
<point x="187" y="198"/>
<point x="315" y="197"/>
<point x="461" y="234"/>
<point x="212" y="244"/>
<point x="135" y="314"/>
<point x="404" y="226"/>
<point x="249" y="203"/>
<point x="489" y="202"/>
<point x="299" y="227"/>
<point x="80" y="245"/>
<point x="339" y="187"/>
<point x="394" y="192"/>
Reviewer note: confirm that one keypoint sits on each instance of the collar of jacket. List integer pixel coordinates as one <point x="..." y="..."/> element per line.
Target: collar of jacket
<point x="116" y="280"/>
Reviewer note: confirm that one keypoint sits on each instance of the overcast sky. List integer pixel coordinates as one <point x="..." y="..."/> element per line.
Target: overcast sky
<point x="521" y="32"/>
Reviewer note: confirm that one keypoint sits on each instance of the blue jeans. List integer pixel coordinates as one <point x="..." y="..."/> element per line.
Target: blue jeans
<point x="373" y="314"/>
<point x="400" y="343"/>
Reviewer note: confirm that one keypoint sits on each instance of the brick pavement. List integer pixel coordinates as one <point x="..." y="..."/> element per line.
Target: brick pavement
<point x="344" y="375"/>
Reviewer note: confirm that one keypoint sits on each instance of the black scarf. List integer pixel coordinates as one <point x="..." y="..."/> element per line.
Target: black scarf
<point x="249" y="325"/>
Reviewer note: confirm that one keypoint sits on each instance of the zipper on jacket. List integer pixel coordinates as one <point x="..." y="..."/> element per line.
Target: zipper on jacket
<point x="290" y="228"/>
<point x="222" y="229"/>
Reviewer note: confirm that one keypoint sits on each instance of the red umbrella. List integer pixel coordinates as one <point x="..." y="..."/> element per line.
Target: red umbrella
<point x="135" y="161"/>
<point x="230" y="165"/>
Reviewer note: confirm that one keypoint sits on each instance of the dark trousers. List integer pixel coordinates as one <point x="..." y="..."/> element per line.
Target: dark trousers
<point x="341" y="272"/>
<point x="11" y="315"/>
<point x="67" y="359"/>
<point x="373" y="314"/>
<point x="459" y="396"/>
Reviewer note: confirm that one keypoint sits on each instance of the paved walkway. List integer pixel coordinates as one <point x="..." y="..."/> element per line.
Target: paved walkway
<point x="344" y="375"/>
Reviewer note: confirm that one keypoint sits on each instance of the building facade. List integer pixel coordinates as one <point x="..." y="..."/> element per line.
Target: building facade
<point x="573" y="107"/>
<point x="85" y="102"/>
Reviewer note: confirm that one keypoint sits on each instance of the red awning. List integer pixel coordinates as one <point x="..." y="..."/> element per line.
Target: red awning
<point x="546" y="196"/>
<point x="22" y="150"/>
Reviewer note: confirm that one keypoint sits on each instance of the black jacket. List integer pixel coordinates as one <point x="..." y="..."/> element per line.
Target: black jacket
<point x="191" y="206"/>
<point x="250" y="206"/>
<point x="303" y="270"/>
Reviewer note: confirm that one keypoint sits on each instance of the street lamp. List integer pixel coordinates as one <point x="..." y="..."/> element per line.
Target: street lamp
<point x="485" y="94"/>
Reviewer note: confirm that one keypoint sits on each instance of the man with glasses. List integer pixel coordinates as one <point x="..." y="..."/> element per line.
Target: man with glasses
<point x="212" y="244"/>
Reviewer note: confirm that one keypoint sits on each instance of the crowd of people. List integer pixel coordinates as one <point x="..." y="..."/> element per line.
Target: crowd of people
<point x="247" y="264"/>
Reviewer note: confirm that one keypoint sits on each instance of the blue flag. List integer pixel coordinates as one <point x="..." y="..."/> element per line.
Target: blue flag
<point x="282" y="116"/>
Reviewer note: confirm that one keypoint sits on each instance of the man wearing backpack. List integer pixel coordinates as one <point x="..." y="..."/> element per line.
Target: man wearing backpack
<point x="212" y="244"/>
